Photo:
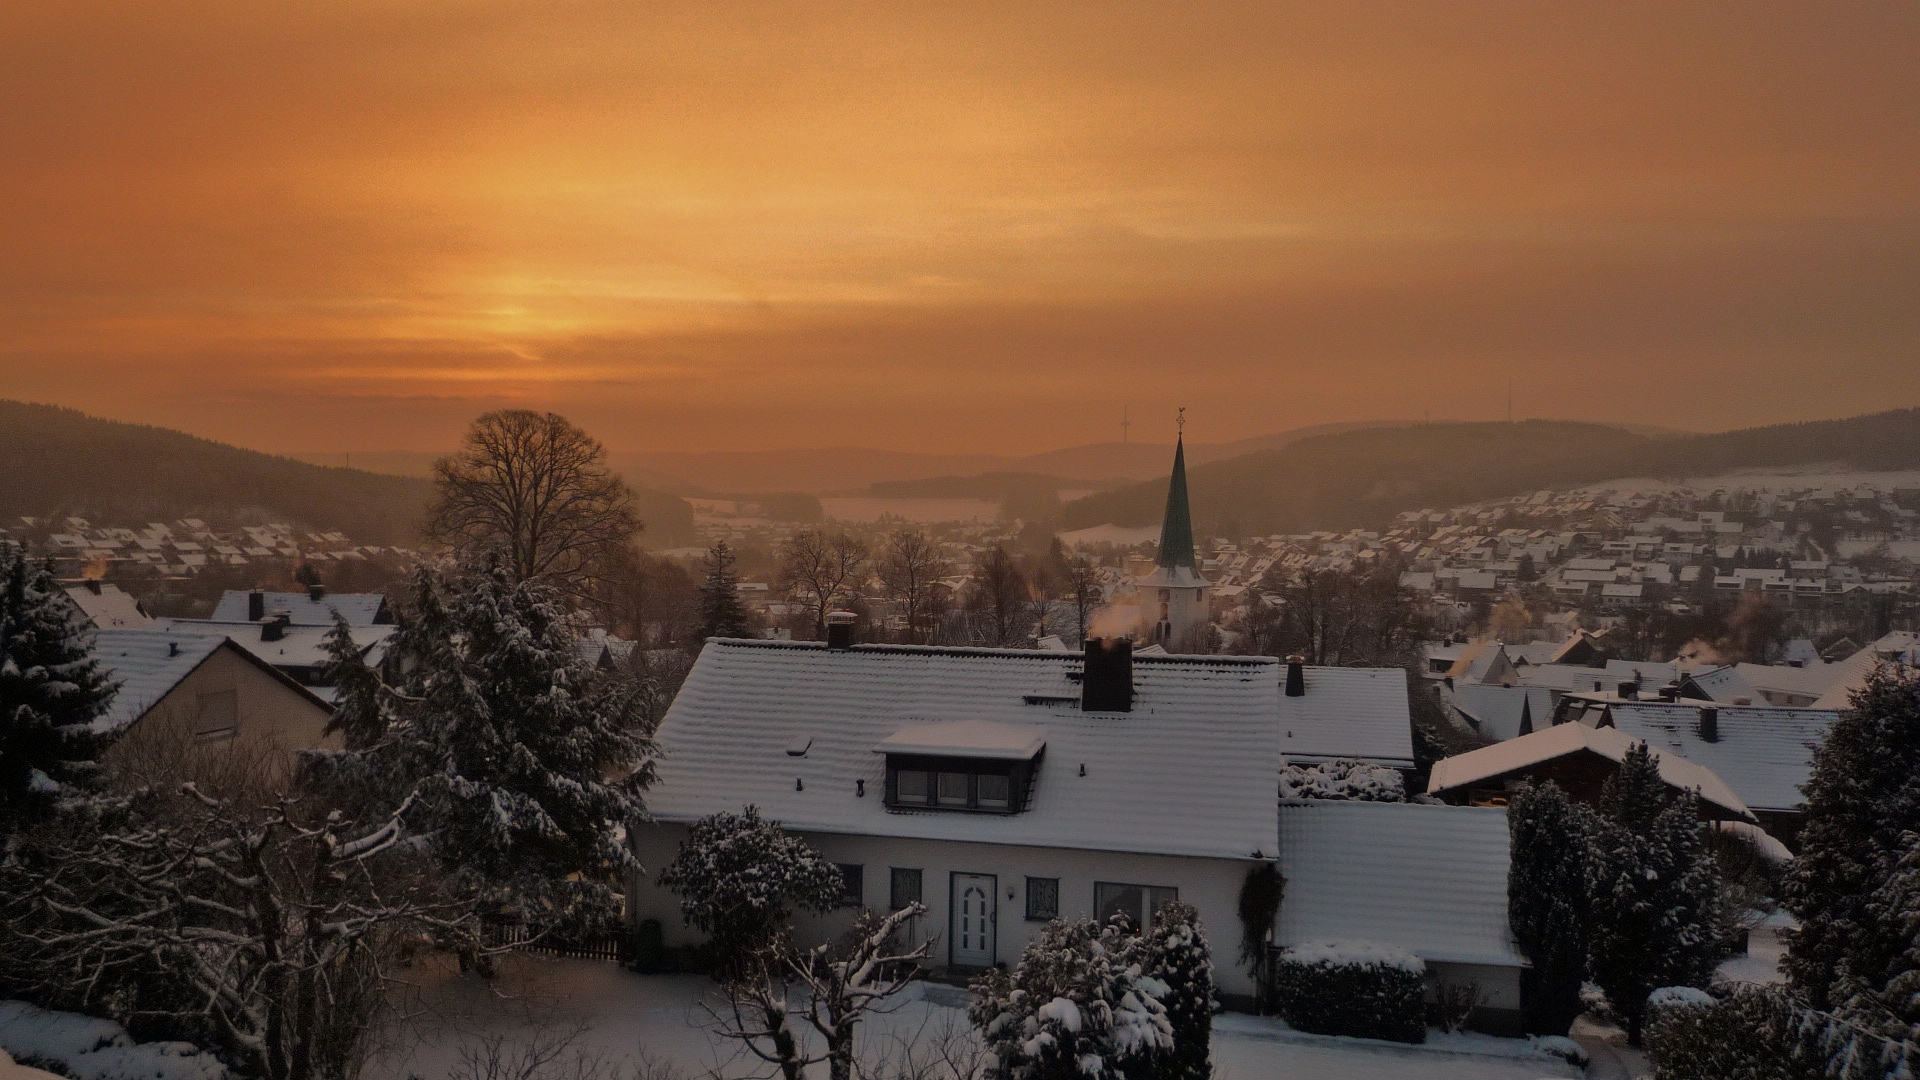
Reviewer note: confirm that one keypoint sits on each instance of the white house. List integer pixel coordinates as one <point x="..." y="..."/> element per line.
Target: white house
<point x="1001" y="788"/>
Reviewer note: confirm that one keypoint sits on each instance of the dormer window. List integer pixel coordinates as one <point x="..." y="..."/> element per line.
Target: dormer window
<point x="967" y="766"/>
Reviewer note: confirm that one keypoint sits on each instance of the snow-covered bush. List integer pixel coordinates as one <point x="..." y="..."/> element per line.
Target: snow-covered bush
<point x="1746" y="1033"/>
<point x="1080" y="1003"/>
<point x="88" y="1048"/>
<point x="1355" y="988"/>
<point x="1178" y="955"/>
<point x="740" y="877"/>
<point x="1342" y="781"/>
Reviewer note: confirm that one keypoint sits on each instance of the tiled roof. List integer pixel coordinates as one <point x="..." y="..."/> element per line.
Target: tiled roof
<point x="360" y="609"/>
<point x="1498" y="710"/>
<point x="299" y="646"/>
<point x="1190" y="771"/>
<point x="1430" y="879"/>
<point x="1349" y="713"/>
<point x="147" y="665"/>
<point x="1516" y="755"/>
<point x="1764" y="754"/>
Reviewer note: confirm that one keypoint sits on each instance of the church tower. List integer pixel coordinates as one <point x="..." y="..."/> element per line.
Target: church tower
<point x="1174" y="596"/>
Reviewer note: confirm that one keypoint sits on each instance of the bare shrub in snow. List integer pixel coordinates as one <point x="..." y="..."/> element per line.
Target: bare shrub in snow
<point x="829" y="989"/>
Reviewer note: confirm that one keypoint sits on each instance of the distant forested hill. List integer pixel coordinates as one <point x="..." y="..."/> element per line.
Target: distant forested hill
<point x="55" y="460"/>
<point x="1360" y="478"/>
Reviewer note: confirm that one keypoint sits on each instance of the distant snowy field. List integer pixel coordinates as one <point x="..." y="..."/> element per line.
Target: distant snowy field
<point x="628" y="1016"/>
<point x="1785" y="478"/>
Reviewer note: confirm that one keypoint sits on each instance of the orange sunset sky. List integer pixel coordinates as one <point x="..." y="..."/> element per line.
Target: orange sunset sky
<point x="341" y="225"/>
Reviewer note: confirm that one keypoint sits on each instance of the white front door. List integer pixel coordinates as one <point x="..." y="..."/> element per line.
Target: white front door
<point x="974" y="916"/>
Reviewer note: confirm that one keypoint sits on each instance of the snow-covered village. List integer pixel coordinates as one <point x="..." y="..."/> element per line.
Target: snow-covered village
<point x="1088" y="541"/>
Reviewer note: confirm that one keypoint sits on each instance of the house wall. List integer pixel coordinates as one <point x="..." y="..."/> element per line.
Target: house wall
<point x="269" y="714"/>
<point x="1211" y="885"/>
<point x="1499" y="1012"/>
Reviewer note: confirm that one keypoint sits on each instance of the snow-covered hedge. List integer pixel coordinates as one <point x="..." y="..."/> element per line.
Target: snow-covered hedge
<point x="1358" y="988"/>
<point x="1342" y="781"/>
<point x="88" y="1048"/>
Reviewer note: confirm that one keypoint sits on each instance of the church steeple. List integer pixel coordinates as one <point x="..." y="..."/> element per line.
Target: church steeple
<point x="1176" y="527"/>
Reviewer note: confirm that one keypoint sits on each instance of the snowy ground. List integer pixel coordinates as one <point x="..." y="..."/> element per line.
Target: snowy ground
<point x="1762" y="962"/>
<point x="628" y="1016"/>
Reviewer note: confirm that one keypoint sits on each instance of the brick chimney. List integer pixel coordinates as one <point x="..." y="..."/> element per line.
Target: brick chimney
<point x="1629" y="691"/>
<point x="316" y="593"/>
<point x="256" y="606"/>
<point x="275" y="628"/>
<point x="840" y="629"/>
<point x="1297" y="676"/>
<point x="1710" y="725"/>
<point x="1106" y="682"/>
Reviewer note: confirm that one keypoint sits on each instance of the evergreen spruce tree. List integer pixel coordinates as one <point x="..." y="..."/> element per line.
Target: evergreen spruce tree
<point x="721" y="613"/>
<point x="507" y="738"/>
<point x="1178" y="956"/>
<point x="51" y="687"/>
<point x="1551" y="871"/>
<point x="1656" y="902"/>
<point x="1863" y="802"/>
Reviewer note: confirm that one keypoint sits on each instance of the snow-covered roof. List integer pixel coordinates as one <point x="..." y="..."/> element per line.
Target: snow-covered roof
<point x="1190" y="771"/>
<point x="1430" y="879"/>
<point x="967" y="738"/>
<point x="1358" y="713"/>
<point x="110" y="608"/>
<point x="1724" y="683"/>
<point x="359" y="609"/>
<point x="299" y="646"/>
<point x="1764" y="754"/>
<point x="1498" y="710"/>
<point x="1900" y="646"/>
<point x="1810" y="681"/>
<point x="147" y="664"/>
<point x="1527" y="751"/>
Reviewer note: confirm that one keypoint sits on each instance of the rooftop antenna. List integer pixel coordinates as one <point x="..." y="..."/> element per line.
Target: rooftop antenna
<point x="1124" y="425"/>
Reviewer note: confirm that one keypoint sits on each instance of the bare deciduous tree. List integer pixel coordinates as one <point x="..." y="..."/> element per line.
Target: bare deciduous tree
<point x="910" y="569"/>
<point x="839" y="984"/>
<point x="536" y="490"/>
<point x="1000" y="600"/>
<point x="820" y="569"/>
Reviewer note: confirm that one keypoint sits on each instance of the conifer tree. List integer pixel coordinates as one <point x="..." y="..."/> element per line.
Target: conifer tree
<point x="1656" y="903"/>
<point x="721" y="613"/>
<point x="507" y="740"/>
<point x="1863" y="801"/>
<point x="51" y="687"/>
<point x="1551" y="871"/>
<point x="1178" y="955"/>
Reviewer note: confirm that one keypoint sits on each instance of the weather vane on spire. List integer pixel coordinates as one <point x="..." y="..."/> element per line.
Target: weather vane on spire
<point x="1180" y="421"/>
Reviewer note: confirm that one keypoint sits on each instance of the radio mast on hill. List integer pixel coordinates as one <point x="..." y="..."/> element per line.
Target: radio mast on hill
<point x="1124" y="425"/>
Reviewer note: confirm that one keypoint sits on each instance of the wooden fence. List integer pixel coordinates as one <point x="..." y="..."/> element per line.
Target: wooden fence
<point x="612" y="947"/>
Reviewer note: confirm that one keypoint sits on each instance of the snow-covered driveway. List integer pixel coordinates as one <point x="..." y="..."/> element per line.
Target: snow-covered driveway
<point x="626" y="1015"/>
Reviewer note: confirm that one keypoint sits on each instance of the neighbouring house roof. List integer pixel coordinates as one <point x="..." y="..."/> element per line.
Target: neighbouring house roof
<point x="1430" y="879"/>
<point x="1358" y="713"/>
<point x="1498" y="711"/>
<point x="1724" y="683"/>
<point x="300" y="646"/>
<point x="1516" y="756"/>
<point x="111" y="608"/>
<point x="359" y="609"/>
<point x="1809" y="682"/>
<point x="1764" y="754"/>
<point x="1897" y="647"/>
<point x="148" y="665"/>
<point x="1189" y="771"/>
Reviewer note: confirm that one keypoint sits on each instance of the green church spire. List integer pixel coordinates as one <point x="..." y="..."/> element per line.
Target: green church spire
<point x="1176" y="529"/>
